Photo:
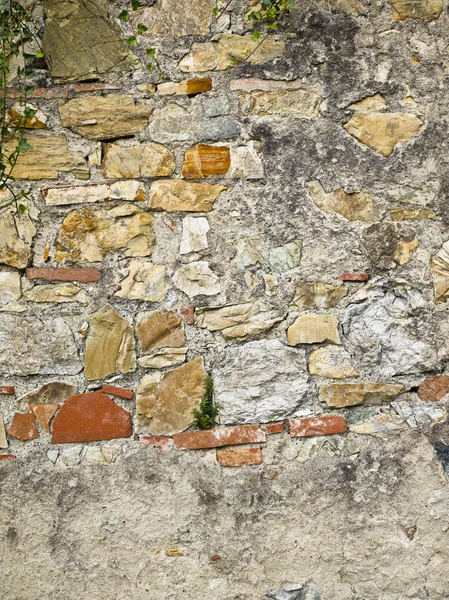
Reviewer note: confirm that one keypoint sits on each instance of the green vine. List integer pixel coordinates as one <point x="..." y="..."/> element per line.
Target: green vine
<point x="205" y="416"/>
<point x="17" y="32"/>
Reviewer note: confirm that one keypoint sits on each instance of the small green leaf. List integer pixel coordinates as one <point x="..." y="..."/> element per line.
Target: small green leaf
<point x="141" y="28"/>
<point x="161" y="74"/>
<point x="39" y="54"/>
<point x="151" y="52"/>
<point x="149" y="67"/>
<point x="22" y="208"/>
<point x="215" y="11"/>
<point x="233" y="60"/>
<point x="23" y="145"/>
<point x="131" y="41"/>
<point x="255" y="36"/>
<point x="123" y="16"/>
<point x="135" y="4"/>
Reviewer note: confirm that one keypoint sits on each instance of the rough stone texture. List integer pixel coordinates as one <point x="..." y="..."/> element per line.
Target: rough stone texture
<point x="164" y="401"/>
<point x="88" y="233"/>
<point x="413" y="9"/>
<point x="351" y="394"/>
<point x="70" y="42"/>
<point x="354" y="207"/>
<point x="188" y="87"/>
<point x="331" y="361"/>
<point x="16" y="236"/>
<point x="59" y="292"/>
<point x="316" y="295"/>
<point x="197" y="279"/>
<point x="299" y="104"/>
<point x="159" y="329"/>
<point x="439" y="265"/>
<point x="166" y="357"/>
<point x="110" y="346"/>
<point x="10" y="289"/>
<point x="120" y="190"/>
<point x="390" y="245"/>
<point x="54" y="392"/>
<point x="178" y="19"/>
<point x="183" y="195"/>
<point x="3" y="440"/>
<point x="204" y="161"/>
<point x="312" y="329"/>
<point x="434" y="389"/>
<point x="145" y="281"/>
<point x="260" y="381"/>
<point x="194" y="235"/>
<point x="145" y="160"/>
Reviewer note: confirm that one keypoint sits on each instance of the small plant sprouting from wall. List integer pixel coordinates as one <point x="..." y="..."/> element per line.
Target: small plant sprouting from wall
<point x="205" y="416"/>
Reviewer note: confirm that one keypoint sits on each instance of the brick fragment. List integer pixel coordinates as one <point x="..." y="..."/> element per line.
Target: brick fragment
<point x="7" y="390"/>
<point x="95" y="87"/>
<point x="83" y="275"/>
<point x="237" y="457"/>
<point x="44" y="413"/>
<point x="117" y="391"/>
<point x="42" y="93"/>
<point x="161" y="442"/>
<point x="7" y="457"/>
<point x="433" y="389"/>
<point x="188" y="314"/>
<point x="354" y="277"/>
<point x="224" y="436"/>
<point x="23" y="427"/>
<point x="274" y="428"/>
<point x="311" y="426"/>
<point x="90" y="417"/>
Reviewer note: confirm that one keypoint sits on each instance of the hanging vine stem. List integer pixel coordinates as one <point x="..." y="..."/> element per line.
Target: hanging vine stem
<point x="17" y="31"/>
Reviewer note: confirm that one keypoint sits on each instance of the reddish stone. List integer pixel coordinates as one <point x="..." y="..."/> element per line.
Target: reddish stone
<point x="90" y="417"/>
<point x="23" y="427"/>
<point x="161" y="442"/>
<point x="44" y="413"/>
<point x="95" y="87"/>
<point x="84" y="275"/>
<point x="7" y="456"/>
<point x="44" y="93"/>
<point x="188" y="314"/>
<point x="225" y="436"/>
<point x="7" y="390"/>
<point x="237" y="457"/>
<point x="310" y="426"/>
<point x="274" y="428"/>
<point x="117" y="391"/>
<point x="354" y="277"/>
<point x="215" y="557"/>
<point x="433" y="389"/>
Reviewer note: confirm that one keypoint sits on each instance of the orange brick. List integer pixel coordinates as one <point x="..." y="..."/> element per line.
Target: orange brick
<point x="237" y="457"/>
<point x="274" y="428"/>
<point x="310" y="426"/>
<point x="354" y="277"/>
<point x="83" y="275"/>
<point x="7" y="390"/>
<point x="433" y="389"/>
<point x="95" y="87"/>
<point x="161" y="442"/>
<point x="188" y="314"/>
<point x="23" y="427"/>
<point x="224" y="436"/>
<point x="7" y="456"/>
<point x="117" y="391"/>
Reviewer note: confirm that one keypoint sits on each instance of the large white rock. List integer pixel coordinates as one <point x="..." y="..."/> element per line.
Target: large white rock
<point x="194" y="234"/>
<point x="197" y="279"/>
<point x="261" y="381"/>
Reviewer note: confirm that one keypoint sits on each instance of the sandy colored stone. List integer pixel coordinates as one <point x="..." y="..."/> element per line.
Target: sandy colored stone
<point x="144" y="160"/>
<point x="44" y="413"/>
<point x="378" y="425"/>
<point x="205" y="161"/>
<point x="358" y="206"/>
<point x="313" y="328"/>
<point x="90" y="417"/>
<point x="187" y="196"/>
<point x="351" y="394"/>
<point x="48" y="157"/>
<point x="196" y="279"/>
<point x="58" y="293"/>
<point x="166" y="357"/>
<point x="158" y="329"/>
<point x="188" y="87"/>
<point x="409" y="213"/>
<point x="179" y="18"/>
<point x="17" y="231"/>
<point x="312" y="426"/>
<point x="145" y="281"/>
<point x="313" y="295"/>
<point x="88" y="233"/>
<point x="375" y="103"/>
<point x="23" y="427"/>
<point x="104" y="117"/>
<point x="222" y="436"/>
<point x="3" y="440"/>
<point x="255" y="84"/>
<point x="110" y="346"/>
<point x="54" y="392"/>
<point x="434" y="389"/>
<point x="238" y="457"/>
<point x="131" y="191"/>
<point x="390" y="245"/>
<point x="70" y="41"/>
<point x="15" y="116"/>
<point x="10" y="288"/>
<point x="439" y="265"/>
<point x="299" y="104"/>
<point x="382" y="132"/>
<point x="238" y="321"/>
<point x="194" y="234"/>
<point x="164" y="402"/>
<point x="333" y="362"/>
<point x="224" y="49"/>
<point x="416" y="9"/>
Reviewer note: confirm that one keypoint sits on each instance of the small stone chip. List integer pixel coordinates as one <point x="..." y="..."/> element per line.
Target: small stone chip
<point x="433" y="389"/>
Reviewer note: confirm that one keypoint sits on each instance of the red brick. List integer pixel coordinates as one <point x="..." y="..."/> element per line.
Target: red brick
<point x="84" y="275"/>
<point x="354" y="277"/>
<point x="23" y="427"/>
<point x="7" y="456"/>
<point x="7" y="390"/>
<point x="237" y="457"/>
<point x="161" y="442"/>
<point x="44" y="413"/>
<point x="117" y="391"/>
<point x="433" y="389"/>
<point x="90" y="417"/>
<point x="214" y="438"/>
<point x="188" y="314"/>
<point x="311" y="426"/>
<point x="44" y="93"/>
<point x="95" y="87"/>
<point x="274" y="428"/>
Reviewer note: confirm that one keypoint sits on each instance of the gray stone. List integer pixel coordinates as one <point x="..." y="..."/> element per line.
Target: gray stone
<point x="218" y="128"/>
<point x="261" y="381"/>
<point x="214" y="107"/>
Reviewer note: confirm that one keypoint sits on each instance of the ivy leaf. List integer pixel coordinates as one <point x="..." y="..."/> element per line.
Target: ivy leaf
<point x="233" y="60"/>
<point x="131" y="41"/>
<point x="149" y="67"/>
<point x="22" y="208"/>
<point x="256" y="35"/>
<point x="141" y="28"/>
<point x="123" y="16"/>
<point x="135" y="4"/>
<point x="151" y="52"/>
<point x="161" y="74"/>
<point x="39" y="54"/>
<point x="23" y="145"/>
<point x="215" y="11"/>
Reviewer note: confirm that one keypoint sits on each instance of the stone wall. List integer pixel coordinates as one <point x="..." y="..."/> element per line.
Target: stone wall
<point x="279" y="224"/>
